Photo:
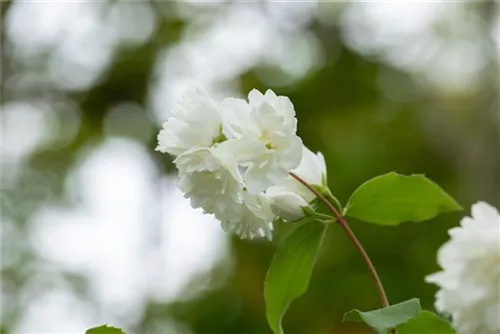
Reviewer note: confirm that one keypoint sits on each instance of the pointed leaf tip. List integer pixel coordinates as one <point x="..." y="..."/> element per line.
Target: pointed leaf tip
<point x="426" y="323"/>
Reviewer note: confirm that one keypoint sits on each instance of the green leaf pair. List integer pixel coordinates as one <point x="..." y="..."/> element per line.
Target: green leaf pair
<point x="388" y="199"/>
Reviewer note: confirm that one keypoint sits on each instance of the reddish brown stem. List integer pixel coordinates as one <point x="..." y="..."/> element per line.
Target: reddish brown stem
<point x="355" y="241"/>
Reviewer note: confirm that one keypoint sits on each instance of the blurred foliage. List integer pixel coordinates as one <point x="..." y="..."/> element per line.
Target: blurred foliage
<point x="343" y="111"/>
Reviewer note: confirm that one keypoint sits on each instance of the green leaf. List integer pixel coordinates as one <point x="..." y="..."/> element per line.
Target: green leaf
<point x="426" y="323"/>
<point x="385" y="318"/>
<point x="289" y="273"/>
<point x="391" y="199"/>
<point x="104" y="329"/>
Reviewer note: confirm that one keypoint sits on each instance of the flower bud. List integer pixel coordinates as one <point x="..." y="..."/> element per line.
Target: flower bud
<point x="286" y="204"/>
<point x="290" y="198"/>
<point x="312" y="168"/>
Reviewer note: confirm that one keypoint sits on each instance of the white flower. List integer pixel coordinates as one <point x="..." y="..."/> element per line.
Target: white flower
<point x="195" y="123"/>
<point x="470" y="280"/>
<point x="289" y="198"/>
<point x="210" y="180"/>
<point x="215" y="144"/>
<point x="263" y="137"/>
<point x="254" y="219"/>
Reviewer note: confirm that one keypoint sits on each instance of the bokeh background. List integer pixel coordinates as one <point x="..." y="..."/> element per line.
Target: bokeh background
<point x="93" y="228"/>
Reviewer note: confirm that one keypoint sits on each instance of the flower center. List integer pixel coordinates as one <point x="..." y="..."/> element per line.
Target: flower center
<point x="220" y="137"/>
<point x="266" y="138"/>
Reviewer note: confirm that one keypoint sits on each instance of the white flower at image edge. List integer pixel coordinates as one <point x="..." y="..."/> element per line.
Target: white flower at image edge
<point x="262" y="135"/>
<point x="470" y="280"/>
<point x="195" y="123"/>
<point x="289" y="198"/>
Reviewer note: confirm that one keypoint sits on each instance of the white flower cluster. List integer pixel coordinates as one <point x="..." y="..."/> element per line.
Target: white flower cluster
<point x="234" y="159"/>
<point x="470" y="280"/>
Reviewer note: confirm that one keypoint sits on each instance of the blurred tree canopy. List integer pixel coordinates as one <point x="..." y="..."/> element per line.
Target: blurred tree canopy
<point x="370" y="93"/>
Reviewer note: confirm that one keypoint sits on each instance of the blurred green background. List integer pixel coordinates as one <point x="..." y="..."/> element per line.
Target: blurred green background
<point x="93" y="230"/>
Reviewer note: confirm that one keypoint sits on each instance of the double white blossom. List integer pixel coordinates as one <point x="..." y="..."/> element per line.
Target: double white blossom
<point x="263" y="137"/>
<point x="253" y="220"/>
<point x="470" y="280"/>
<point x="195" y="123"/>
<point x="208" y="178"/>
<point x="229" y="154"/>
<point x="290" y="198"/>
